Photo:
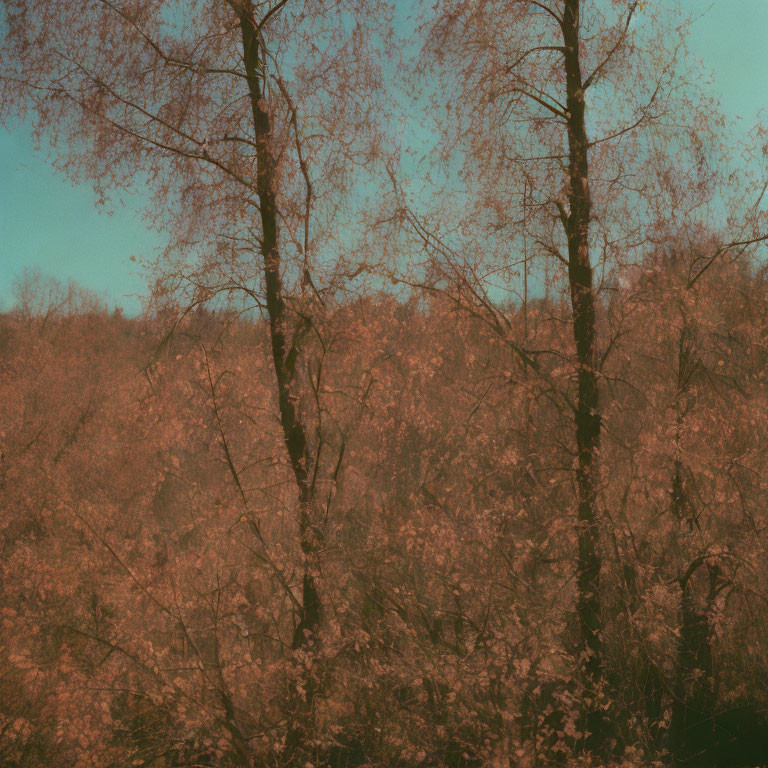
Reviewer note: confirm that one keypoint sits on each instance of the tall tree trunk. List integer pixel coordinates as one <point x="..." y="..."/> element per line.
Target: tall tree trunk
<point x="284" y="355"/>
<point x="587" y="417"/>
<point x="693" y="726"/>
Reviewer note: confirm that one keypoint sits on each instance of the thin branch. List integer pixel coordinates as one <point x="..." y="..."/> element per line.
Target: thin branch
<point x="554" y="110"/>
<point x="306" y="277"/>
<point x="743" y="244"/>
<point x="544" y="8"/>
<point x="636" y="124"/>
<point x="202" y="156"/>
<point x="552" y="251"/>
<point x="190" y="66"/>
<point x="622" y="37"/>
<point x="255" y="528"/>
<point x="560" y="48"/>
<point x="269" y="14"/>
<point x="434" y="243"/>
<point x="119" y="560"/>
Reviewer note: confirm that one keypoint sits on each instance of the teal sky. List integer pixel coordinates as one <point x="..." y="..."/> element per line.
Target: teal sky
<point x="47" y="222"/>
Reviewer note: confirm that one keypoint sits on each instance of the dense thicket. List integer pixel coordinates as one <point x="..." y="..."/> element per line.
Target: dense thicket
<point x="150" y="574"/>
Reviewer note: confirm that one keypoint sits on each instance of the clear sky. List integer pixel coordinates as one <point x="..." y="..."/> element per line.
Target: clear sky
<point x="47" y="222"/>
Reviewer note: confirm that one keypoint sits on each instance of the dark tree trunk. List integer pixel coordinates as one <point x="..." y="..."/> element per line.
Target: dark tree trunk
<point x="693" y="727"/>
<point x="587" y="417"/>
<point x="283" y="354"/>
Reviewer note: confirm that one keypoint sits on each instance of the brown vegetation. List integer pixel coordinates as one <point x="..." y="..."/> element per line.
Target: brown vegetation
<point x="512" y="513"/>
